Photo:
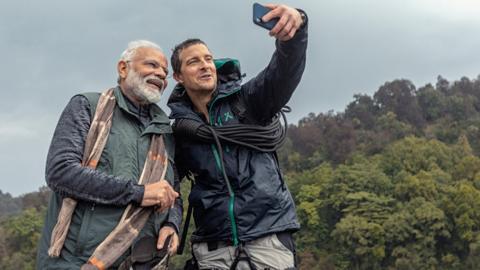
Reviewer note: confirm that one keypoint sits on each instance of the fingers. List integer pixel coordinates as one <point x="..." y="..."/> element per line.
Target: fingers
<point x="168" y="194"/>
<point x="285" y="30"/>
<point x="162" y="236"/>
<point x="166" y="197"/>
<point x="274" y="13"/>
<point x="288" y="35"/>
<point x="271" y="6"/>
<point x="159" y="194"/>
<point x="289" y="20"/>
<point x="164" y="233"/>
<point x="174" y="242"/>
<point x="279" y="26"/>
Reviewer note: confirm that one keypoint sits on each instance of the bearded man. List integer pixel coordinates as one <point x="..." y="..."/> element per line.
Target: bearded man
<point x="111" y="171"/>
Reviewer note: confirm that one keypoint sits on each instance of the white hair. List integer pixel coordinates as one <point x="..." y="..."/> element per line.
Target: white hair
<point x="132" y="47"/>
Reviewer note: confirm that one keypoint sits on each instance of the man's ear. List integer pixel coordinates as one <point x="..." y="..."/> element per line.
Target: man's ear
<point x="122" y="68"/>
<point x="178" y="77"/>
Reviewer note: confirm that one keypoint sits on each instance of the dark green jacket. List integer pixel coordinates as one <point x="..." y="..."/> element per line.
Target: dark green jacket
<point x="102" y="194"/>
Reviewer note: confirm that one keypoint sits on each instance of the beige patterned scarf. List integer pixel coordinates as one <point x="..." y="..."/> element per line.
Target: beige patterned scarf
<point x="134" y="217"/>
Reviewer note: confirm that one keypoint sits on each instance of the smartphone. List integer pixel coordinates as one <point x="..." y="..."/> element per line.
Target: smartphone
<point x="258" y="12"/>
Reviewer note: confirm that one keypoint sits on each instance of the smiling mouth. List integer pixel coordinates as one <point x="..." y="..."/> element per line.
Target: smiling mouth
<point x="206" y="77"/>
<point x="157" y="83"/>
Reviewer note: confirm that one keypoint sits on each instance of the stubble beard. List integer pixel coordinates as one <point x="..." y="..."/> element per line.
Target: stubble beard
<point x="208" y="88"/>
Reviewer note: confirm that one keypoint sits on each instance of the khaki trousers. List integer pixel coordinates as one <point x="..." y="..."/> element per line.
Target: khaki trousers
<point x="265" y="253"/>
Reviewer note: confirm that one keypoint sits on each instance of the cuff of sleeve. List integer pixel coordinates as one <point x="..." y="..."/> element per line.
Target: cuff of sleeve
<point x="304" y="18"/>
<point x="173" y="225"/>
<point x="138" y="191"/>
<point x="300" y="35"/>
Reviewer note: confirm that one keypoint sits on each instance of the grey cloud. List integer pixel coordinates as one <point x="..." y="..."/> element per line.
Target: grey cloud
<point x="53" y="49"/>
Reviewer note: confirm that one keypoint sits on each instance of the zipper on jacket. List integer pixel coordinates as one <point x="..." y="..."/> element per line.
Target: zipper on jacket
<point x="231" y="202"/>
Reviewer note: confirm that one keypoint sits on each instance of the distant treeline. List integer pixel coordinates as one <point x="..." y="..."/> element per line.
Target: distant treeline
<point x="397" y="109"/>
<point x="393" y="182"/>
<point x="21" y="221"/>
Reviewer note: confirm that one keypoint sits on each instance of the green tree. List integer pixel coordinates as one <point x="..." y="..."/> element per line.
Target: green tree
<point x="363" y="110"/>
<point x="364" y="240"/>
<point x="399" y="97"/>
<point x="415" y="154"/>
<point x="22" y="234"/>
<point x="413" y="234"/>
<point x="432" y="102"/>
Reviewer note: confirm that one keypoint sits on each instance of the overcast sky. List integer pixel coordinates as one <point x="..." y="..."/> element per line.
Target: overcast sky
<point x="54" y="49"/>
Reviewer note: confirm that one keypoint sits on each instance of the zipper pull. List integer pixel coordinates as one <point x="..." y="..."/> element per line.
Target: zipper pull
<point x="93" y="207"/>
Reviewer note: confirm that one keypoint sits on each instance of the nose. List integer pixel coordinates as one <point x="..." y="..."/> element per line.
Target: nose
<point x="206" y="63"/>
<point x="160" y="73"/>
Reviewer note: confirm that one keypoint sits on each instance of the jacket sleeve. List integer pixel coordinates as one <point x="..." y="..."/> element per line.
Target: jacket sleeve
<point x="64" y="173"/>
<point x="175" y="214"/>
<point x="270" y="90"/>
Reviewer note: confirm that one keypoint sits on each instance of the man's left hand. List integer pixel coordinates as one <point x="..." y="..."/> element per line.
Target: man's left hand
<point x="289" y="20"/>
<point x="166" y="231"/>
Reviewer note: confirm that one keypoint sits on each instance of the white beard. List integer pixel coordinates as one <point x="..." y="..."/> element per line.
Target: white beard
<point x="141" y="89"/>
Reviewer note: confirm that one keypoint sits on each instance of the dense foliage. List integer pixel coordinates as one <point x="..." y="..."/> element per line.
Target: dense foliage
<point x="21" y="222"/>
<point x="393" y="182"/>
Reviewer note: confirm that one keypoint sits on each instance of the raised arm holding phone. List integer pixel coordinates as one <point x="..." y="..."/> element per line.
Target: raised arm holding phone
<point x="243" y="211"/>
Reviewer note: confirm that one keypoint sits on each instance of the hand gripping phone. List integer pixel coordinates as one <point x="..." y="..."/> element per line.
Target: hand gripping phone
<point x="258" y="12"/>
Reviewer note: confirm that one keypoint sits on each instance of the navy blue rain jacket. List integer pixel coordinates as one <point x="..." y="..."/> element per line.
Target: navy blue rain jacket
<point x="262" y="204"/>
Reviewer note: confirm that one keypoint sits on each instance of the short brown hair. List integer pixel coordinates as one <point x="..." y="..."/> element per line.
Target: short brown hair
<point x="175" y="58"/>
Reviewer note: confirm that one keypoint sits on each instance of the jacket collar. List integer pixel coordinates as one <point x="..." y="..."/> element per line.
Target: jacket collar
<point x="159" y="123"/>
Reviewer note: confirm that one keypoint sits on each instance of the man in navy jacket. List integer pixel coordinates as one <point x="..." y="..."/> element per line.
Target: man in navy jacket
<point x="251" y="214"/>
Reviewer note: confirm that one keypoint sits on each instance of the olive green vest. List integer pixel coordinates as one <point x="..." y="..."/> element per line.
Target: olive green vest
<point x="123" y="156"/>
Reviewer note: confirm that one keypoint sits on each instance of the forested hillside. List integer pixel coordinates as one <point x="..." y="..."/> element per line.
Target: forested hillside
<point x="392" y="182"/>
<point x="21" y="221"/>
